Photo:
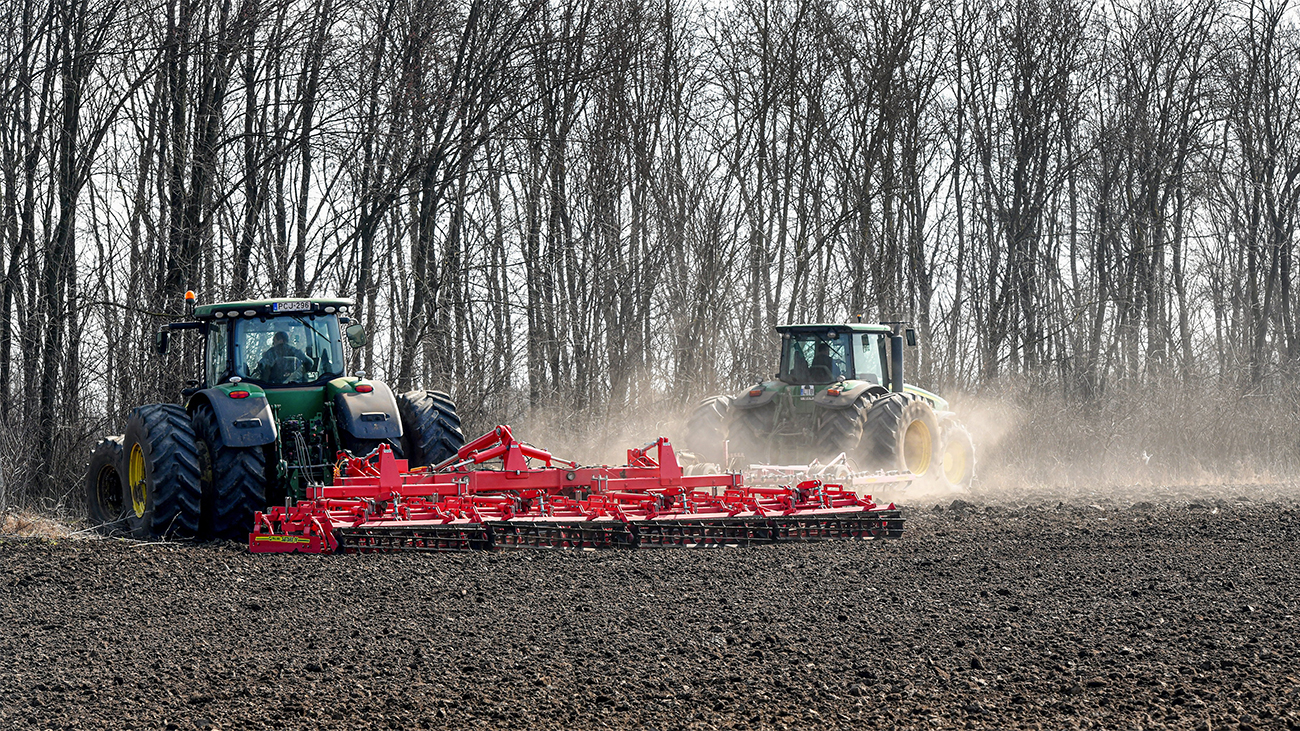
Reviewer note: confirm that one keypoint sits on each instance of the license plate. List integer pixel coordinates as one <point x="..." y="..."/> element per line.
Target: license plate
<point x="291" y="307"/>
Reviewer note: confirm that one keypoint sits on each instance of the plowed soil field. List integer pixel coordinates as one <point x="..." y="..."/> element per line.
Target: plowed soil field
<point x="1174" y="612"/>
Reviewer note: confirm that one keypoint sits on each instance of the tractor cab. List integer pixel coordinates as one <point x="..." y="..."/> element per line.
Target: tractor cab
<point x="276" y="343"/>
<point x="825" y="354"/>
<point x="273" y="373"/>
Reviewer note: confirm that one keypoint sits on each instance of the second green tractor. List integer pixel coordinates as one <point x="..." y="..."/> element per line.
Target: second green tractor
<point x="839" y="390"/>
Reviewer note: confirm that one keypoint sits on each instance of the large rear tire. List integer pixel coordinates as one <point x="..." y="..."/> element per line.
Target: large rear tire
<point x="233" y="480"/>
<point x="430" y="427"/>
<point x="106" y="488"/>
<point x="706" y="429"/>
<point x="750" y="433"/>
<point x="163" y="495"/>
<point x="902" y="434"/>
<point x="840" y="431"/>
<point x="957" y="458"/>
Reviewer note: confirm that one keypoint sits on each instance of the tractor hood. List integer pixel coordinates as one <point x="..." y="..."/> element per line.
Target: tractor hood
<point x="937" y="402"/>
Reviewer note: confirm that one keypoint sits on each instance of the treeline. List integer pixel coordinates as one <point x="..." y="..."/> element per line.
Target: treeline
<point x="591" y="207"/>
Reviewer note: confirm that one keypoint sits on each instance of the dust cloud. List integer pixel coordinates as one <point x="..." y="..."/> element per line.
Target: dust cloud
<point x="1173" y="444"/>
<point x="1176" y="444"/>
<point x="602" y="438"/>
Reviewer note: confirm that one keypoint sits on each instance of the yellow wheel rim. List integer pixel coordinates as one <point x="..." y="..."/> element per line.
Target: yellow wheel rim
<point x="954" y="462"/>
<point x="135" y="479"/>
<point x="918" y="444"/>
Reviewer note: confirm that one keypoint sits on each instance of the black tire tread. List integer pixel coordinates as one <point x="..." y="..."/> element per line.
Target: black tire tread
<point x="430" y="427"/>
<point x="706" y="429"/>
<point x="841" y="430"/>
<point x="749" y="431"/>
<point x="880" y="432"/>
<point x="173" y="463"/>
<point x="237" y="486"/>
<point x="107" y="519"/>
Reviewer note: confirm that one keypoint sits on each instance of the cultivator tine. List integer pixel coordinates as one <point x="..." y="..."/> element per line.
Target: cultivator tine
<point x="702" y="533"/>
<point x="379" y="505"/>
<point x="884" y="524"/>
<point x="422" y="539"/>
<point x="528" y="534"/>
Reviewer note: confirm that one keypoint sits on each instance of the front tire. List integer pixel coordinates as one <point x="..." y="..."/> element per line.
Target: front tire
<point x="430" y="427"/>
<point x="958" y="458"/>
<point x="106" y="488"/>
<point x="902" y="434"/>
<point x="233" y="479"/>
<point x="163" y="496"/>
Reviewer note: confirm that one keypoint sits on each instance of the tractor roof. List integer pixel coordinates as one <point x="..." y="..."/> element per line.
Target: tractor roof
<point x="857" y="327"/>
<point x="273" y="307"/>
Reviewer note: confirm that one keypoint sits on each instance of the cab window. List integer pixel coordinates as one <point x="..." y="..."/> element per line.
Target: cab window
<point x="816" y="357"/>
<point x="288" y="350"/>
<point x="866" y="358"/>
<point x="218" y="352"/>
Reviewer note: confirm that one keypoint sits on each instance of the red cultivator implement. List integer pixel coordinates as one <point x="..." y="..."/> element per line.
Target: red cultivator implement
<point x="490" y="497"/>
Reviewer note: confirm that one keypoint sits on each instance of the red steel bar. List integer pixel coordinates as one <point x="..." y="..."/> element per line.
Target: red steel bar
<point x="490" y="496"/>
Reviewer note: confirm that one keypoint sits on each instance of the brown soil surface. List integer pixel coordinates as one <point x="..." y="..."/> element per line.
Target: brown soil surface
<point x="1164" y="613"/>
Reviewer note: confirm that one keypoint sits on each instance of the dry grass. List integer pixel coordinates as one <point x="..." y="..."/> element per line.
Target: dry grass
<point x="24" y="524"/>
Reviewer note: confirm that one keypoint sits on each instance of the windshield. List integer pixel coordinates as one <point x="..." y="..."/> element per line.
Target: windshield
<point x="278" y="350"/>
<point x="815" y="357"/>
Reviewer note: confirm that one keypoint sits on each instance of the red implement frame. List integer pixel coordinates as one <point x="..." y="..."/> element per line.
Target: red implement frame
<point x="489" y="496"/>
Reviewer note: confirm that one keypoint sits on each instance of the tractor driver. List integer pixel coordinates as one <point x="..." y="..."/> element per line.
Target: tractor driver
<point x="281" y="360"/>
<point x="824" y="363"/>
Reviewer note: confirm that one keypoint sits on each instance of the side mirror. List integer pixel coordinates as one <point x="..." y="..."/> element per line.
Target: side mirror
<point x="911" y="337"/>
<point x="160" y="340"/>
<point x="356" y="335"/>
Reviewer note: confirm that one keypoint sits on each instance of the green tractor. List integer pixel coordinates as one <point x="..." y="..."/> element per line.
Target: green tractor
<point x="271" y="412"/>
<point x="840" y="390"/>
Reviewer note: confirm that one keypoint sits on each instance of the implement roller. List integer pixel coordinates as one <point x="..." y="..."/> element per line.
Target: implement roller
<point x="500" y="493"/>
